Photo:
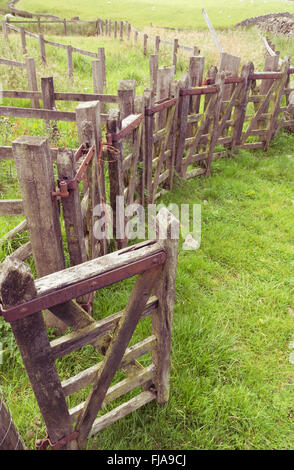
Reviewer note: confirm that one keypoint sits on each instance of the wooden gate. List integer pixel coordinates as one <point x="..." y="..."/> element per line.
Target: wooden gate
<point x="23" y="300"/>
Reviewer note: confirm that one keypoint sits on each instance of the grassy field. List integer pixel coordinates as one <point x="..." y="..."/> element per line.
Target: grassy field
<point x="185" y="14"/>
<point x="231" y="377"/>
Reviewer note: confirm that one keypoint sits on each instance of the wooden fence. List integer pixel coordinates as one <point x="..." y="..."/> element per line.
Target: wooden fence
<point x="153" y="295"/>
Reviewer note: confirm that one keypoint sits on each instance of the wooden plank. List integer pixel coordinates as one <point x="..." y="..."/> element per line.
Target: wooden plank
<point x="94" y="331"/>
<point x="11" y="207"/>
<point x="35" y="173"/>
<point x="21" y="94"/>
<point x="86" y="377"/>
<point x="37" y="114"/>
<point x="23" y="252"/>
<point x="143" y="377"/>
<point x="115" y="352"/>
<point x="32" y="80"/>
<point x="121" y="411"/>
<point x="12" y="63"/>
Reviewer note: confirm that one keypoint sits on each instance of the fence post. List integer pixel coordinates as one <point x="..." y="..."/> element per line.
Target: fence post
<point x="42" y="49"/>
<point x="148" y="142"/>
<point x="129" y="28"/>
<point x="101" y="57"/>
<point x="5" y="30"/>
<point x="153" y="70"/>
<point x="145" y="39"/>
<point x="9" y="436"/>
<point x="116" y="178"/>
<point x="109" y="27"/>
<point x="162" y="319"/>
<point x="135" y="38"/>
<point x="126" y="97"/>
<point x="196" y="50"/>
<point x="115" y="29"/>
<point x="175" y="53"/>
<point x="240" y="109"/>
<point x="39" y="26"/>
<point x="47" y="85"/>
<point x="89" y="133"/>
<point x="16" y="286"/>
<point x="106" y="27"/>
<point x="121" y="30"/>
<point x="65" y="27"/>
<point x="157" y="43"/>
<point x="98" y="80"/>
<point x="35" y="173"/>
<point x="196" y="70"/>
<point x="182" y="119"/>
<point x="23" y="40"/>
<point x="69" y="61"/>
<point x="32" y="80"/>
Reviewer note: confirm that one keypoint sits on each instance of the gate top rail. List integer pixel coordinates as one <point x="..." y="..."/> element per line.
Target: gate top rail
<point x="88" y="277"/>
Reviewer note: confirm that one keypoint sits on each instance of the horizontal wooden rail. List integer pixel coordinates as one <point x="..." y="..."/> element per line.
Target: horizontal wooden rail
<point x="34" y="113"/>
<point x="61" y="96"/>
<point x="88" y="277"/>
<point x="11" y="207"/>
<point x="13" y="63"/>
<point x="203" y="90"/>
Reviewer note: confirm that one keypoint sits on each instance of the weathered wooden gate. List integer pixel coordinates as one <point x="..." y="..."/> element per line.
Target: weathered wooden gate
<point x="23" y="300"/>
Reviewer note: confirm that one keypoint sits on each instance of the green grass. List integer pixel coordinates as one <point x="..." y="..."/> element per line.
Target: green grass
<point x="185" y="14"/>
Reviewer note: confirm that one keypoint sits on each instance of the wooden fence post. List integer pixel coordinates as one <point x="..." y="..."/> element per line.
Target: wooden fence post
<point x="129" y="29"/>
<point x="153" y="71"/>
<point x="65" y="27"/>
<point x="121" y="30"/>
<point x="101" y="57"/>
<point x="115" y="29"/>
<point x="157" y="43"/>
<point x="148" y="142"/>
<point x="135" y="38"/>
<point x="116" y="178"/>
<point x="182" y="120"/>
<point x="17" y="285"/>
<point x="109" y="27"/>
<point x="47" y="85"/>
<point x="175" y="53"/>
<point x="126" y="97"/>
<point x="32" y="80"/>
<point x="145" y="39"/>
<point x="98" y="79"/>
<point x="35" y="173"/>
<point x="69" y="61"/>
<point x="42" y="49"/>
<point x="5" y="30"/>
<point x="9" y="436"/>
<point x="196" y="51"/>
<point x="106" y="27"/>
<point x="23" y="40"/>
<point x="89" y="133"/>
<point x="72" y="212"/>
<point x="165" y="77"/>
<point x="240" y="109"/>
<point x="162" y="319"/>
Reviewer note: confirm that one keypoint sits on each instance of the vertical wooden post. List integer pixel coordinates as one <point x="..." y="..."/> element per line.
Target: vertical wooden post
<point x="240" y="109"/>
<point x="196" y="51"/>
<point x="109" y="27"/>
<point x="39" y="26"/>
<point x="148" y="142"/>
<point x="9" y="436"/>
<point x="89" y="133"/>
<point x="98" y="79"/>
<point x="35" y="173"/>
<point x="230" y="65"/>
<point x="5" y="30"/>
<point x="16" y="285"/>
<point x="69" y="61"/>
<point x="101" y="57"/>
<point x="121" y="30"/>
<point x="175" y="53"/>
<point x="65" y="27"/>
<point x="153" y="71"/>
<point x="126" y="97"/>
<point x="23" y="40"/>
<point x="116" y="178"/>
<point x="72" y="213"/>
<point x="42" y="49"/>
<point x="157" y="43"/>
<point x="135" y="38"/>
<point x="47" y="85"/>
<point x="115" y="29"/>
<point x="182" y="120"/>
<point x="162" y="319"/>
<point x="129" y="29"/>
<point x="196" y="70"/>
<point x="165" y="77"/>
<point x="98" y="27"/>
<point x="145" y="39"/>
<point x="32" y="80"/>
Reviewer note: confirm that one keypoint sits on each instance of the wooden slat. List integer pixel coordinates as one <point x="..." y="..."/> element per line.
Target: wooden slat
<point x="121" y="411"/>
<point x="86" y="97"/>
<point x="121" y="388"/>
<point x="33" y="113"/>
<point x="12" y="63"/>
<point x="252" y="145"/>
<point x="86" y="377"/>
<point x="22" y="94"/>
<point x="69" y="343"/>
<point x="11" y="207"/>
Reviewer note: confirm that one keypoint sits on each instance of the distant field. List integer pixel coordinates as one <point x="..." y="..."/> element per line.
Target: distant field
<point x="183" y="14"/>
